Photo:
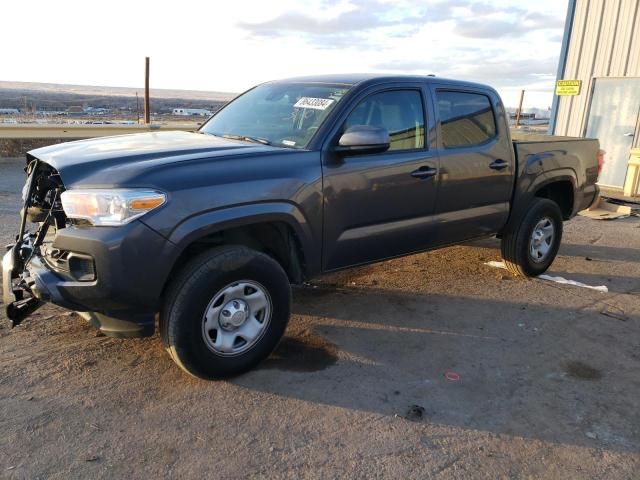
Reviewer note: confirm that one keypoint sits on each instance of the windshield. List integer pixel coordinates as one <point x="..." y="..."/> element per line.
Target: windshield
<point x="281" y="114"/>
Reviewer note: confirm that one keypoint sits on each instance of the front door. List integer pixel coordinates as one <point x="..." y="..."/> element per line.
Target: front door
<point x="613" y="119"/>
<point x="379" y="205"/>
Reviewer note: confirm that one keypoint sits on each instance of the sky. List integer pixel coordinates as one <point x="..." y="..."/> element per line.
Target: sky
<point x="232" y="45"/>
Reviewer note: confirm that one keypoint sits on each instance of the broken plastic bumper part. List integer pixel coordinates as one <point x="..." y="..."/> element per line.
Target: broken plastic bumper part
<point x="19" y="302"/>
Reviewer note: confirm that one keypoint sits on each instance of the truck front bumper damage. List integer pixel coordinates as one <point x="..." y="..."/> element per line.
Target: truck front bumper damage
<point x="122" y="298"/>
<point x="26" y="291"/>
<point x="111" y="276"/>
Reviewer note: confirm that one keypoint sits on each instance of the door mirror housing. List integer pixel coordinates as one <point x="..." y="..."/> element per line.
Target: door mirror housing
<point x="361" y="139"/>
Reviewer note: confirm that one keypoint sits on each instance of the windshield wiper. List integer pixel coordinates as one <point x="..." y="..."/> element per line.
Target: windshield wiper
<point x="246" y="138"/>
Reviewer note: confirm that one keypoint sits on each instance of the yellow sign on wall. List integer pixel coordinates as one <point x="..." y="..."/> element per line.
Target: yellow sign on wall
<point x="568" y="87"/>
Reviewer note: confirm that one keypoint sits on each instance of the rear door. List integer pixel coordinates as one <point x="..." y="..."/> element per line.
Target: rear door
<point x="476" y="164"/>
<point x="379" y="205"/>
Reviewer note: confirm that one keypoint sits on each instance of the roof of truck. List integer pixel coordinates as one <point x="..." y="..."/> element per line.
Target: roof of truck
<point x="359" y="78"/>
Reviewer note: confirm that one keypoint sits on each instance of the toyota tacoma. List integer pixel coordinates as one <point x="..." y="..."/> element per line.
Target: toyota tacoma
<point x="206" y="231"/>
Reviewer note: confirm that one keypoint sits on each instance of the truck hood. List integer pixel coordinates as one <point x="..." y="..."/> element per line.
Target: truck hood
<point x="110" y="158"/>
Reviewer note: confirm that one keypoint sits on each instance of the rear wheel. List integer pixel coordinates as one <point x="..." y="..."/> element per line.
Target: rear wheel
<point x="225" y="312"/>
<point x="531" y="245"/>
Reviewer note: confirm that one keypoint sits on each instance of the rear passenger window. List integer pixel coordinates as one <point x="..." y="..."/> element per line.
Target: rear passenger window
<point x="400" y="112"/>
<point x="466" y="119"/>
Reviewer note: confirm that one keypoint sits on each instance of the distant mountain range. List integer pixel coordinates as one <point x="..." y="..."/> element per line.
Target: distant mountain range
<point x="31" y="97"/>
<point x="90" y="90"/>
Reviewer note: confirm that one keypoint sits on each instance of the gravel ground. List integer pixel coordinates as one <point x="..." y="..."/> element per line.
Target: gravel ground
<point x="431" y="366"/>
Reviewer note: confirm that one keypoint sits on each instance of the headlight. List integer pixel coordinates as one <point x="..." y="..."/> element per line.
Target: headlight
<point x="110" y="207"/>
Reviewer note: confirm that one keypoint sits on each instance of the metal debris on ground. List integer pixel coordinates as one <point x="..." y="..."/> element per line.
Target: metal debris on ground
<point x="564" y="281"/>
<point x="605" y="210"/>
<point x="626" y="201"/>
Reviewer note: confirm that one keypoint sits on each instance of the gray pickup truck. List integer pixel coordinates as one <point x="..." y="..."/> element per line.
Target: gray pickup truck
<point x="295" y="178"/>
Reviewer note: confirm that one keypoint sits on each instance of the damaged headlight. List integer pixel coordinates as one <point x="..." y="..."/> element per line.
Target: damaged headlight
<point x="110" y="207"/>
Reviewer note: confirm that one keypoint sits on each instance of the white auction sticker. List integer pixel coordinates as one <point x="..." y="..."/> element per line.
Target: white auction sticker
<point x="315" y="103"/>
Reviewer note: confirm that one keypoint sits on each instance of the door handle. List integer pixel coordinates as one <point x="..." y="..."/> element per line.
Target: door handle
<point x="498" y="164"/>
<point x="424" y="172"/>
<point x="628" y="134"/>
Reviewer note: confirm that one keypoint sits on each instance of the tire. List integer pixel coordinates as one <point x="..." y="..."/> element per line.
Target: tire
<point x="201" y="322"/>
<point x="522" y="253"/>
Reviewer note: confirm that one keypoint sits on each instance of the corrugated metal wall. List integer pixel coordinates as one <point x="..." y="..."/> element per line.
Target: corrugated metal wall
<point x="604" y="42"/>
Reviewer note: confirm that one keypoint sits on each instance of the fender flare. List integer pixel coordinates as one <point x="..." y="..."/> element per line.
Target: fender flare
<point x="560" y="175"/>
<point x="209" y="222"/>
<point x="523" y="196"/>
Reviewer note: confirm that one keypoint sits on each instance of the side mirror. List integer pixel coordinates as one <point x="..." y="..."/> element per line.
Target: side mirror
<point x="361" y="139"/>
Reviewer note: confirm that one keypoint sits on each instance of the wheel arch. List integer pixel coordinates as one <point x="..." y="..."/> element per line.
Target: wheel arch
<point x="553" y="185"/>
<point x="562" y="191"/>
<point x="278" y="229"/>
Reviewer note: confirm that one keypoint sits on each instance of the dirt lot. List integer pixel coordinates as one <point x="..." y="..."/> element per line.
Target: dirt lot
<point x="548" y="386"/>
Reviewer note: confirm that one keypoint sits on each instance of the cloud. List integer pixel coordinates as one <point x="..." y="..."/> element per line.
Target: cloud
<point x="331" y="26"/>
<point x="509" y="45"/>
<point x="486" y="28"/>
<point x="485" y="69"/>
<point x="542" y="20"/>
<point x="512" y="71"/>
<point x="354" y="20"/>
<point x="363" y="15"/>
<point x="342" y="24"/>
<point x="490" y="22"/>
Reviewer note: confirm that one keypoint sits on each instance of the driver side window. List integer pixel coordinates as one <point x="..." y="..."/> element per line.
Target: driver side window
<point x="400" y="112"/>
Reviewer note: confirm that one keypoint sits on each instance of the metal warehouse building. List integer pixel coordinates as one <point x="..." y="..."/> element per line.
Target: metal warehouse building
<point x="601" y="51"/>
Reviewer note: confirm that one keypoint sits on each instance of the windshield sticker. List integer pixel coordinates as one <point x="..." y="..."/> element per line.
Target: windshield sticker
<point x="288" y="143"/>
<point x="315" y="103"/>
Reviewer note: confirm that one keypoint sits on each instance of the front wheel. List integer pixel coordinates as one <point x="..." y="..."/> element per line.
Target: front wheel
<point x="225" y="312"/>
<point x="531" y="245"/>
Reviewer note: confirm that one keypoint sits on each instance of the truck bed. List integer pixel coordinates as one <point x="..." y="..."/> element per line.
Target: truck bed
<point x="541" y="154"/>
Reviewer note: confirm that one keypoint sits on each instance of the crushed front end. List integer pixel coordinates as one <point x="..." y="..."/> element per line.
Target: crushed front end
<point x="106" y="269"/>
<point x="24" y="292"/>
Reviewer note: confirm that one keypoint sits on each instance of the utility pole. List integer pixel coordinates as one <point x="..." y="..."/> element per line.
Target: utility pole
<point x="147" y="113"/>
<point x="519" y="112"/>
